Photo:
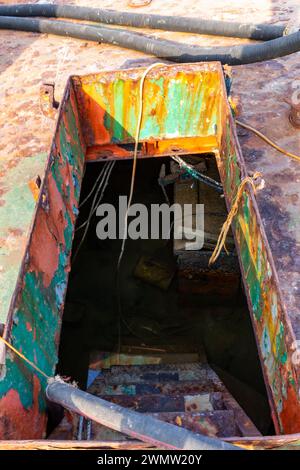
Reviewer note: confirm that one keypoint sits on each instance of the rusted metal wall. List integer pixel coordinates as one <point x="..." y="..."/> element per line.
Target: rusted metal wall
<point x="103" y="125"/>
<point x="28" y="60"/>
<point x="262" y="88"/>
<point x="178" y="101"/>
<point x="33" y="324"/>
<point x="43" y="277"/>
<point x="183" y="106"/>
<point x="272" y="327"/>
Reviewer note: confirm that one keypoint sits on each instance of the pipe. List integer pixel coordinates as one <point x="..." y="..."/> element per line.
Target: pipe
<point x="171" y="50"/>
<point x="137" y="425"/>
<point x="263" y="32"/>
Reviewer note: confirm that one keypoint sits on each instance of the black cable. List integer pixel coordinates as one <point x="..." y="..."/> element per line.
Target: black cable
<point x="171" y="50"/>
<point x="264" y="32"/>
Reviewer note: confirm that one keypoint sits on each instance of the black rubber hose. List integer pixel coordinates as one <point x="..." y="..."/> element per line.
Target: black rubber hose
<point x="137" y="425"/>
<point x="173" y="51"/>
<point x="262" y="32"/>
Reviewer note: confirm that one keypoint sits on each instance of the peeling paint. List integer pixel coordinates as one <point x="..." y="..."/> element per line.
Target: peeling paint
<point x="39" y="296"/>
<point x="94" y="104"/>
<point x="271" y="322"/>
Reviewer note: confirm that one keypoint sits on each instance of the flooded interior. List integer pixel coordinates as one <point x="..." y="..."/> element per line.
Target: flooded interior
<point x="203" y="312"/>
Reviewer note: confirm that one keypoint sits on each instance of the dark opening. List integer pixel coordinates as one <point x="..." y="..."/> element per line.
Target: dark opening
<point x="205" y="313"/>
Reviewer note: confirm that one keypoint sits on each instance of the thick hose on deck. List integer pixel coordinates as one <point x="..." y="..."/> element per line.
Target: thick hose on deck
<point x="137" y="425"/>
<point x="170" y="50"/>
<point x="263" y="32"/>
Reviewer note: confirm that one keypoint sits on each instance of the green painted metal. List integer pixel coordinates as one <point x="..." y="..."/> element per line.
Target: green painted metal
<point x="182" y="103"/>
<point x="271" y="324"/>
<point x="39" y="298"/>
<point x="17" y="206"/>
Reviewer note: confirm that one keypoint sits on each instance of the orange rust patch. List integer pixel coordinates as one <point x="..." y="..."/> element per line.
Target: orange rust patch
<point x="97" y="131"/>
<point x="48" y="233"/>
<point x="44" y="251"/>
<point x="14" y="418"/>
<point x="290" y="412"/>
<point x="34" y="189"/>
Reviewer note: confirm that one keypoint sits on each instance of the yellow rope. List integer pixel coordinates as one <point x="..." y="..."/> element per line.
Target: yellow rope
<point x="234" y="208"/>
<point x="135" y="152"/>
<point x="223" y="234"/>
<point x="266" y="139"/>
<point x="24" y="358"/>
<point x="139" y="3"/>
<point x="10" y="346"/>
<point x="137" y="136"/>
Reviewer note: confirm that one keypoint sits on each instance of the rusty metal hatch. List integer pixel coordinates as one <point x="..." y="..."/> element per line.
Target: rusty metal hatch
<point x="185" y="112"/>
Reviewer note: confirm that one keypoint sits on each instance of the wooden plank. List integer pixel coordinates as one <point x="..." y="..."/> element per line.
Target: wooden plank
<point x="45" y="444"/>
<point x="215" y="208"/>
<point x="283" y="442"/>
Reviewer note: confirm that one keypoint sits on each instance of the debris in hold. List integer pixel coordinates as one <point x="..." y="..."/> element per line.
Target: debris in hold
<point x="215" y="210"/>
<point x="154" y="271"/>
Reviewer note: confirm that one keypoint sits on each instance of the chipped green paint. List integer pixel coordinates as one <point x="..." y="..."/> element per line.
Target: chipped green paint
<point x="37" y="309"/>
<point x="180" y="101"/>
<point x="272" y="330"/>
<point x="17" y="204"/>
<point x="280" y="346"/>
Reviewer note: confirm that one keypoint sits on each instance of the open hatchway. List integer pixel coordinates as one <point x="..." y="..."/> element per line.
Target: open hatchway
<point x="150" y="337"/>
<point x="168" y="313"/>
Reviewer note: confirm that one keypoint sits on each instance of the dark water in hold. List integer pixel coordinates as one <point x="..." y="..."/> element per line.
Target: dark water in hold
<point x="153" y="316"/>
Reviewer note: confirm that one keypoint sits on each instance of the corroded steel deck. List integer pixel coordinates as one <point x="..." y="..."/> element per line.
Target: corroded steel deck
<point x="26" y="63"/>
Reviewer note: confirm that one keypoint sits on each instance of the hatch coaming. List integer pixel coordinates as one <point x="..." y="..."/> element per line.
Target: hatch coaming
<point x="273" y="331"/>
<point x="97" y="120"/>
<point x="33" y="321"/>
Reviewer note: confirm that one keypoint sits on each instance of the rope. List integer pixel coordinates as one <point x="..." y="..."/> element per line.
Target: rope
<point x="138" y="3"/>
<point x="24" y="358"/>
<point x="102" y="185"/>
<point x="234" y="208"/>
<point x="266" y="139"/>
<point x="94" y="205"/>
<point x="10" y="346"/>
<point x="196" y="174"/>
<point x="94" y="186"/>
<point x="137" y="136"/>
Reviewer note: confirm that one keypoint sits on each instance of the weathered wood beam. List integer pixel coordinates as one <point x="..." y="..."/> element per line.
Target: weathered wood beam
<point x="283" y="442"/>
